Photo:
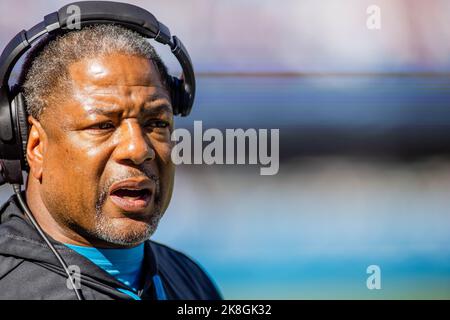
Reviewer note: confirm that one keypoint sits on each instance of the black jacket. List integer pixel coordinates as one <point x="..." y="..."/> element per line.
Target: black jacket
<point x="29" y="270"/>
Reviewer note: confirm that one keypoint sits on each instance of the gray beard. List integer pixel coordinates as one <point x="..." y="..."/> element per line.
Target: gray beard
<point x="106" y="231"/>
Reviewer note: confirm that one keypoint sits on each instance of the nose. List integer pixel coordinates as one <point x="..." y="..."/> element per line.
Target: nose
<point x="133" y="146"/>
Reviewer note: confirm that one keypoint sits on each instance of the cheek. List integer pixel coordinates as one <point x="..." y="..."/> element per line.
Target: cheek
<point x="75" y="168"/>
<point x="166" y="172"/>
<point x="85" y="157"/>
<point x="164" y="151"/>
<point x="62" y="184"/>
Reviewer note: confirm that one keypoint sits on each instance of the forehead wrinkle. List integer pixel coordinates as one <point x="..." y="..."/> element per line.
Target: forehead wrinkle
<point x="150" y="105"/>
<point x="159" y="109"/>
<point x="125" y="91"/>
<point x="132" y="98"/>
<point x="126" y="98"/>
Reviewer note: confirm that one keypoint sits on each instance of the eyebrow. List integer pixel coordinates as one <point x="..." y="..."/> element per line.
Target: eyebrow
<point x="156" y="110"/>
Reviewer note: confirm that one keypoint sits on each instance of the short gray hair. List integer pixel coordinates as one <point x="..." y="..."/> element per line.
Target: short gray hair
<point x="45" y="72"/>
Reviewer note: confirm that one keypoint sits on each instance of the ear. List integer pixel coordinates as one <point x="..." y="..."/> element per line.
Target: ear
<point x="36" y="147"/>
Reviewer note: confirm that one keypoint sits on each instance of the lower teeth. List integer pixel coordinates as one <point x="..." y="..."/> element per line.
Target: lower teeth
<point x="132" y="198"/>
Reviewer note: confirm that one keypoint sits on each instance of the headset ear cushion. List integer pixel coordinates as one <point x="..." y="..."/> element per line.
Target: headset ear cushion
<point x="21" y="108"/>
<point x="174" y="94"/>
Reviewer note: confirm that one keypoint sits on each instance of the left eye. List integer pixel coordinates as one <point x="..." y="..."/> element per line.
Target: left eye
<point x="157" y="124"/>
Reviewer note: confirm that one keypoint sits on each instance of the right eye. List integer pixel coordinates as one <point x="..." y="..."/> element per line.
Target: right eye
<point x="103" y="126"/>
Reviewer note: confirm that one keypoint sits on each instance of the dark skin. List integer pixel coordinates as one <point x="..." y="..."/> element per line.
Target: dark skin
<point x="114" y="124"/>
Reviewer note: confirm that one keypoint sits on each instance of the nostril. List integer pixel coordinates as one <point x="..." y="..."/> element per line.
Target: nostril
<point x="137" y="152"/>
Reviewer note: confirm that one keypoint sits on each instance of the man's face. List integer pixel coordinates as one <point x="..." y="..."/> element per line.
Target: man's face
<point x="107" y="172"/>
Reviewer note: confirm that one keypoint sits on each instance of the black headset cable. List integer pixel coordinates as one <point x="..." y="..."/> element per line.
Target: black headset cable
<point x="17" y="191"/>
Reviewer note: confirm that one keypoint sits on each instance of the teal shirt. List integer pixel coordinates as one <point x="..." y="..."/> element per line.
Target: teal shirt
<point x="123" y="264"/>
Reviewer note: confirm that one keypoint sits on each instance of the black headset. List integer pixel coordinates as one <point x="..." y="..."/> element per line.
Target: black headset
<point x="13" y="111"/>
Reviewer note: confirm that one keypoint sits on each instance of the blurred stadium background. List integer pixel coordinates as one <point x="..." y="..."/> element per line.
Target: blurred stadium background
<point x="364" y="120"/>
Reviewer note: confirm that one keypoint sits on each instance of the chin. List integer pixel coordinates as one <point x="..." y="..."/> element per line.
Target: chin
<point x="126" y="231"/>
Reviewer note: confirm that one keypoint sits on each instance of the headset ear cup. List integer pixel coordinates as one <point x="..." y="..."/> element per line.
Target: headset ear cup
<point x="174" y="84"/>
<point x="21" y="110"/>
<point x="180" y="98"/>
<point x="11" y="159"/>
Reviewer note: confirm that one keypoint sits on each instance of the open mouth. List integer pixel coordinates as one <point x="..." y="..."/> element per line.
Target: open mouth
<point x="131" y="198"/>
<point x="130" y="194"/>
